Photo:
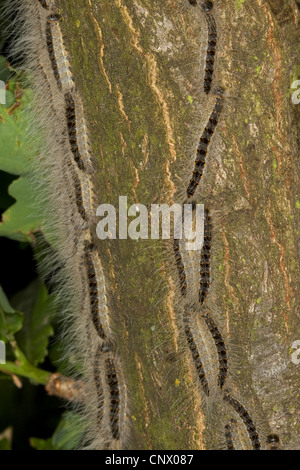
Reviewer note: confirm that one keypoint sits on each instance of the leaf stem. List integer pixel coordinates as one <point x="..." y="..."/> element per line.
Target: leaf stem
<point x="30" y="372"/>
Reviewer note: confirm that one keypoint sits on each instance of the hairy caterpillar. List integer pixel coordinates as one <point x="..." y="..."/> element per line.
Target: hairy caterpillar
<point x="203" y="146"/>
<point x="58" y="54"/>
<point x="207" y="7"/>
<point x="195" y="354"/>
<point x="97" y="292"/>
<point x="236" y="437"/>
<point x="78" y="133"/>
<point x="220" y="346"/>
<point x="229" y="434"/>
<point x="113" y="382"/>
<point x="81" y="202"/>
<point x="180" y="267"/>
<point x="205" y="258"/>
<point x="111" y="396"/>
<point x="246" y="418"/>
<point x="211" y="47"/>
<point x="187" y="260"/>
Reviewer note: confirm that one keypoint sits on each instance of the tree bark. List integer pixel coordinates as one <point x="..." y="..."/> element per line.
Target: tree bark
<point x="139" y="66"/>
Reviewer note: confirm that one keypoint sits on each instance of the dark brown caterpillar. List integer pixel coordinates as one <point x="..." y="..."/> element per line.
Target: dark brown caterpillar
<point x="247" y="420"/>
<point x="113" y="382"/>
<point x="93" y="292"/>
<point x="205" y="258"/>
<point x="196" y="355"/>
<point x="78" y="192"/>
<point x="211" y="45"/>
<point x="229" y="436"/>
<point x="221" y="348"/>
<point x="203" y="145"/>
<point x="207" y="7"/>
<point x="180" y="268"/>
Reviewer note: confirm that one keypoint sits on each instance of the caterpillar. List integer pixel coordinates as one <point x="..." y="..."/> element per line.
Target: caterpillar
<point x="84" y="191"/>
<point x="58" y="54"/>
<point x="97" y="292"/>
<point x="221" y="348"/>
<point x="113" y="382"/>
<point x="205" y="258"/>
<point x="111" y="396"/>
<point x="189" y="261"/>
<point x="180" y="267"/>
<point x="195" y="354"/>
<point x="78" y="133"/>
<point x="203" y="145"/>
<point x="81" y="201"/>
<point x="236" y="437"/>
<point x="211" y="46"/>
<point x="246" y="418"/>
<point x="207" y="7"/>
<point x="229" y="434"/>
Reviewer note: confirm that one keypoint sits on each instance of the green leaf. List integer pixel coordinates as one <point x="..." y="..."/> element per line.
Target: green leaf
<point x="20" y="221"/>
<point x="17" y="153"/>
<point x="4" y="70"/>
<point x="67" y="435"/>
<point x="4" y="444"/>
<point x="11" y="320"/>
<point x="37" y="306"/>
<point x="41" y="444"/>
<point x="5" y="200"/>
<point x="16" y="149"/>
<point x="9" y="99"/>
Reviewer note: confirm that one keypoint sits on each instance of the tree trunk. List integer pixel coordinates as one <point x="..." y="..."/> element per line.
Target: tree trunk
<point x="139" y="65"/>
